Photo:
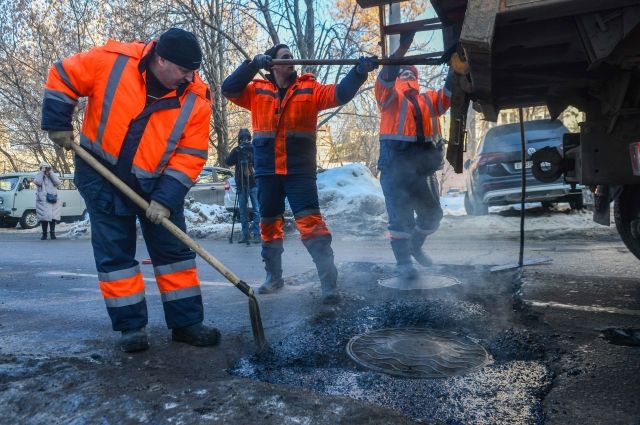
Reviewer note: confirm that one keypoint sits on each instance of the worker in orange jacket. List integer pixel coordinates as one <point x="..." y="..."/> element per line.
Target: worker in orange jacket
<point x="146" y="120"/>
<point x="284" y="110"/>
<point x="411" y="151"/>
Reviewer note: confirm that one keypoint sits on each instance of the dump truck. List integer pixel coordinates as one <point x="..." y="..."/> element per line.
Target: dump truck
<point x="558" y="53"/>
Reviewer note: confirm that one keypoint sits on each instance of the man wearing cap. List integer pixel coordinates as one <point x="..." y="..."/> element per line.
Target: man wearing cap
<point x="284" y="110"/>
<point x="411" y="151"/>
<point x="146" y="120"/>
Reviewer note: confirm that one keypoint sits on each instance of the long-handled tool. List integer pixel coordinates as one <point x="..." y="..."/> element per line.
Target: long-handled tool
<point x="437" y="58"/>
<point x="254" y="310"/>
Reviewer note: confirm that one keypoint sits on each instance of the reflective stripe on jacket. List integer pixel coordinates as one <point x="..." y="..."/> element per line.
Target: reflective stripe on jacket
<point x="284" y="130"/>
<point x="165" y="143"/>
<point x="398" y="114"/>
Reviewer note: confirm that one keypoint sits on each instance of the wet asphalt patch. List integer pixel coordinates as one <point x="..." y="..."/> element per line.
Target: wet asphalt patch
<point x="508" y="390"/>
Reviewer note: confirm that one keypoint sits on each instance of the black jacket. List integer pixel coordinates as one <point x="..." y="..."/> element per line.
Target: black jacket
<point x="242" y="158"/>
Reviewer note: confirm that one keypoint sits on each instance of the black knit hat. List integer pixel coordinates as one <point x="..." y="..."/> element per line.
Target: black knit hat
<point x="273" y="51"/>
<point x="180" y="47"/>
<point x="244" y="134"/>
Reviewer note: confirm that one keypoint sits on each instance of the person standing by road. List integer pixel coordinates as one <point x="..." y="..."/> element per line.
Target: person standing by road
<point x="284" y="110"/>
<point x="411" y="151"/>
<point x="48" y="207"/>
<point x="147" y="120"/>
<point x="241" y="157"/>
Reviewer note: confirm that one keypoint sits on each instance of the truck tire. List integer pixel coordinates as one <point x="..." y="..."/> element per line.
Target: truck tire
<point x="473" y="207"/>
<point x="576" y="203"/>
<point x="29" y="219"/>
<point x="626" y="211"/>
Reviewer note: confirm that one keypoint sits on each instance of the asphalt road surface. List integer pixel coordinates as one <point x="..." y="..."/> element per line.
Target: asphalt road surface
<point x="552" y="333"/>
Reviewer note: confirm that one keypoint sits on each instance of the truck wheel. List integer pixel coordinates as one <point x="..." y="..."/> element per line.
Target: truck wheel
<point x="627" y="216"/>
<point x="29" y="219"/>
<point x="575" y="202"/>
<point x="473" y="207"/>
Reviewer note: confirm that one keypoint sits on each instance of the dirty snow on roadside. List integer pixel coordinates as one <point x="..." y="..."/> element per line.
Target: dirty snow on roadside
<point x="352" y="202"/>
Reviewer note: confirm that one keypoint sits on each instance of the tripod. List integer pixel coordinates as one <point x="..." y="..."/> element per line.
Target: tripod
<point x="242" y="185"/>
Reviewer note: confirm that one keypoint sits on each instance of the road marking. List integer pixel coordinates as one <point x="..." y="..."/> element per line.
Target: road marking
<point x="589" y="308"/>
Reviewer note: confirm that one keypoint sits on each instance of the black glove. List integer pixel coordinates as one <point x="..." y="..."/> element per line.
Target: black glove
<point x="366" y="64"/>
<point x="406" y="38"/>
<point x="261" y="61"/>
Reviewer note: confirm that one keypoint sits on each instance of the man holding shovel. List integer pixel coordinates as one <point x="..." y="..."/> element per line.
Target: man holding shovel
<point x="147" y="121"/>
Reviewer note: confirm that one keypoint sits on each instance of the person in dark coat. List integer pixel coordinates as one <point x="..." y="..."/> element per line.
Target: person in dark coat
<point x="241" y="157"/>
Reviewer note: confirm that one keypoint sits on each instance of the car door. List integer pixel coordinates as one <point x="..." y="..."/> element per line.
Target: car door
<point x="204" y="190"/>
<point x="72" y="203"/>
<point x="24" y="198"/>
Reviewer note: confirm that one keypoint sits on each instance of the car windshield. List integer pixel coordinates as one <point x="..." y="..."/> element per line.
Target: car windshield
<point x="8" y="183"/>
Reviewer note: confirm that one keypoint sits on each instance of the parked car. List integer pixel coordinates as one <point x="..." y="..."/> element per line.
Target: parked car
<point x="494" y="173"/>
<point x="18" y="200"/>
<point x="210" y="186"/>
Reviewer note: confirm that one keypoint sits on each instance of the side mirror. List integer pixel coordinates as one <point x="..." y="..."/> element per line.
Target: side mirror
<point x="466" y="164"/>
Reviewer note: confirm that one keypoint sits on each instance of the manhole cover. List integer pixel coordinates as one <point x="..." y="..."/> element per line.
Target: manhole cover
<point x="417" y="353"/>
<point x="422" y="282"/>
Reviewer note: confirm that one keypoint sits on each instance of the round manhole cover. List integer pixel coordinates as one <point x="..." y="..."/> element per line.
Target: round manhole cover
<point x="417" y="352"/>
<point x="422" y="282"/>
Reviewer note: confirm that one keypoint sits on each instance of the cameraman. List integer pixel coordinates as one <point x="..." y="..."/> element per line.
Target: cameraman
<point x="242" y="158"/>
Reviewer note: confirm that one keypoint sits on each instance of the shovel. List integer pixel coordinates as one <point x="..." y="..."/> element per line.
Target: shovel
<point x="254" y="310"/>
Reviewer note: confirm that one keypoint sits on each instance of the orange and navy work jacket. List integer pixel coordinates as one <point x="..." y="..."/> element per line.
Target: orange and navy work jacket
<point x="162" y="146"/>
<point x="284" y="130"/>
<point x="407" y="115"/>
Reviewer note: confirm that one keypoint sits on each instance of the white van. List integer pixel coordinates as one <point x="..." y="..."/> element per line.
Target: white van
<point x="18" y="200"/>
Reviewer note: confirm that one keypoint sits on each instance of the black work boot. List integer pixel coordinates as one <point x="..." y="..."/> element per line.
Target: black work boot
<point x="401" y="250"/>
<point x="322" y="254"/>
<point x="44" y="236"/>
<point x="197" y="335"/>
<point x="272" y="257"/>
<point x="53" y="235"/>
<point x="134" y="340"/>
<point x="417" y="240"/>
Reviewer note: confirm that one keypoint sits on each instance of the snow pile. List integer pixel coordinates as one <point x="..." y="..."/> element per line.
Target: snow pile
<point x="547" y="223"/>
<point x="351" y="200"/>
<point x="453" y="205"/>
<point x="80" y="229"/>
<point x="204" y="220"/>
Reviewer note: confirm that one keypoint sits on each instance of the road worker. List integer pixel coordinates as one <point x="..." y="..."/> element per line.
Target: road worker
<point x="411" y="151"/>
<point x="146" y="120"/>
<point x="284" y="109"/>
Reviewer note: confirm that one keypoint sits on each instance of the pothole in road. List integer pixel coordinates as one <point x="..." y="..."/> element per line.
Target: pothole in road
<point x="417" y="352"/>
<point x="503" y="384"/>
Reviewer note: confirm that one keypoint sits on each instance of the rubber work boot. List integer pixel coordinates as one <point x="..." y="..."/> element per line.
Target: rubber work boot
<point x="272" y="257"/>
<point x="322" y="254"/>
<point x="417" y="240"/>
<point x="134" y="340"/>
<point x="401" y="250"/>
<point x="197" y="335"/>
